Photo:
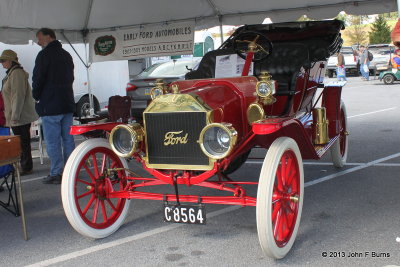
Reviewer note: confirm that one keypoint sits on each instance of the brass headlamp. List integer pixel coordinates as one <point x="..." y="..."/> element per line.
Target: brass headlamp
<point x="125" y="139"/>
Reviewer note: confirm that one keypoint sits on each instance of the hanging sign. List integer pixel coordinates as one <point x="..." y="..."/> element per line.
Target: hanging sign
<point x="149" y="41"/>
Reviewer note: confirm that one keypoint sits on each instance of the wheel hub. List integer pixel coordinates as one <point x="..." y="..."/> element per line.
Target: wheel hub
<point x="101" y="187"/>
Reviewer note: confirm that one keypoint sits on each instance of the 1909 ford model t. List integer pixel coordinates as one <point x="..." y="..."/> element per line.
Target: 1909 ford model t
<point x="198" y="131"/>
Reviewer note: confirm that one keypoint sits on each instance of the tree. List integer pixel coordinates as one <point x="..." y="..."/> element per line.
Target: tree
<point x="380" y="31"/>
<point x="356" y="32"/>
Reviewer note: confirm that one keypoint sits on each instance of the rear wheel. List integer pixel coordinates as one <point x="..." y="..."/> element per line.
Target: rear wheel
<point x="83" y="106"/>
<point x="84" y="187"/>
<point x="280" y="197"/>
<point x="340" y="147"/>
<point x="388" y="79"/>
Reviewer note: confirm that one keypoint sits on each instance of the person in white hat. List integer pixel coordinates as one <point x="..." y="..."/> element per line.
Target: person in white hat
<point x="19" y="105"/>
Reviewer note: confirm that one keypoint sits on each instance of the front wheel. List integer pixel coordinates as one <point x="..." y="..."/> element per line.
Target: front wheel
<point x="85" y="185"/>
<point x="280" y="197"/>
<point x="340" y="148"/>
<point x="388" y="79"/>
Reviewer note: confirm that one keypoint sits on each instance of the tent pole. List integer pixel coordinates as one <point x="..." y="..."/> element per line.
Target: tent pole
<point x="85" y="32"/>
<point x="91" y="104"/>
<point x="221" y="30"/>
<point x="87" y="66"/>
<point x="398" y="8"/>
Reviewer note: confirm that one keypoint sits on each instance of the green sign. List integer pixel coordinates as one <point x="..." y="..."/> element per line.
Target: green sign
<point x="104" y="45"/>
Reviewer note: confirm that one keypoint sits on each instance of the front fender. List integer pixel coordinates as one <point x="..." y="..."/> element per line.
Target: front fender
<point x="272" y="128"/>
<point x="81" y="129"/>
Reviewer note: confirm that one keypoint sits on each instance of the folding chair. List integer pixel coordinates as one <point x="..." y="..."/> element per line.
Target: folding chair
<point x="10" y="178"/>
<point x="7" y="183"/>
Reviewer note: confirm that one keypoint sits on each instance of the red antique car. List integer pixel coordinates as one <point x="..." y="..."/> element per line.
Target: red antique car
<point x="258" y="89"/>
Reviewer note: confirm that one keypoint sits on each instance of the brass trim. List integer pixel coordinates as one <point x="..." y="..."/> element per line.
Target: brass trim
<point x="160" y="87"/>
<point x="180" y="167"/>
<point x="294" y="198"/>
<point x="136" y="131"/>
<point x="269" y="85"/>
<point x="320" y="126"/>
<point x="175" y="88"/>
<point x="255" y="112"/>
<point x="156" y="92"/>
<point x="266" y="78"/>
<point x="175" y="103"/>
<point x="232" y="135"/>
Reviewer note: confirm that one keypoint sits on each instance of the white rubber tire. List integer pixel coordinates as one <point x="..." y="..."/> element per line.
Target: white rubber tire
<point x="67" y="191"/>
<point x="264" y="197"/>
<point x="338" y="159"/>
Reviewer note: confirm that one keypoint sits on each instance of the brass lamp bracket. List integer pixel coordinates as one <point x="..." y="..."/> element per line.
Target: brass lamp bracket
<point x="266" y="78"/>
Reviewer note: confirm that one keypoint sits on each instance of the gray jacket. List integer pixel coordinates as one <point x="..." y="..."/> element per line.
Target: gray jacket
<point x="19" y="105"/>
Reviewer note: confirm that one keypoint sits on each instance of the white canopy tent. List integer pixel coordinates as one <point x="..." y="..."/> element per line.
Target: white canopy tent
<point x="20" y="19"/>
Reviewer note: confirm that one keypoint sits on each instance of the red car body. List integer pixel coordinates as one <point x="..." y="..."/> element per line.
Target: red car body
<point x="224" y="118"/>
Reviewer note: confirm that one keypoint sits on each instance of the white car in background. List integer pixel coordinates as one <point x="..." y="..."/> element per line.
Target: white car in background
<point x="350" y="61"/>
<point x="382" y="55"/>
<point x="139" y="86"/>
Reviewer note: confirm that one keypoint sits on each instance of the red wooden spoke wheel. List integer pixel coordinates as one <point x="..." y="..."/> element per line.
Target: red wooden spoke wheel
<point x="84" y="187"/>
<point x="280" y="197"/>
<point x="340" y="148"/>
<point x="285" y="198"/>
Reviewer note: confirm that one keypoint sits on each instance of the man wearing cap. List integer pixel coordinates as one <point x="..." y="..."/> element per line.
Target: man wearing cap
<point x="19" y="109"/>
<point x="52" y="80"/>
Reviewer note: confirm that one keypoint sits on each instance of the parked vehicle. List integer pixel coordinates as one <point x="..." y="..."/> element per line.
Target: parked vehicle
<point x="107" y="78"/>
<point x="350" y="60"/>
<point x="389" y="76"/>
<point x="382" y="55"/>
<point x="197" y="131"/>
<point x="140" y="85"/>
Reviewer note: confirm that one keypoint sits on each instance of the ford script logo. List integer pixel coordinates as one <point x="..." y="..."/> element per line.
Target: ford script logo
<point x="173" y="138"/>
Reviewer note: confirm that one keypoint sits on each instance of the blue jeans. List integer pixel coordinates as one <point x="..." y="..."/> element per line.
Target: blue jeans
<point x="341" y="74"/>
<point x="363" y="73"/>
<point x="56" y="129"/>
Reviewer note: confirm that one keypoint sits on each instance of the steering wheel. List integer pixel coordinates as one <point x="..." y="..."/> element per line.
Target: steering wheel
<point x="252" y="41"/>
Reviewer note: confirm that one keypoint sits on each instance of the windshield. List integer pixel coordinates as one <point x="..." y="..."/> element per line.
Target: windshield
<point x="168" y="69"/>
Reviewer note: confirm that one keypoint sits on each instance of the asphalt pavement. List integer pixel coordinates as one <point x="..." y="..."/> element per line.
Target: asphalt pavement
<point x="351" y="216"/>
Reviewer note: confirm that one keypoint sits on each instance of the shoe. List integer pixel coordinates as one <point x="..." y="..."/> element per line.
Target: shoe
<point x="56" y="179"/>
<point x="22" y="173"/>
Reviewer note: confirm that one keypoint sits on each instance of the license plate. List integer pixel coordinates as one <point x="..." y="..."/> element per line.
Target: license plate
<point x="192" y="214"/>
<point x="147" y="91"/>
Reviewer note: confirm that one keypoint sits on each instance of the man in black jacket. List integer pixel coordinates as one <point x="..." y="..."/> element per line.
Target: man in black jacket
<point x="52" y="80"/>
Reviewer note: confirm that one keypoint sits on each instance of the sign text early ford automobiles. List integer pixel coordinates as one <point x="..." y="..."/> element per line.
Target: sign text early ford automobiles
<point x="139" y="42"/>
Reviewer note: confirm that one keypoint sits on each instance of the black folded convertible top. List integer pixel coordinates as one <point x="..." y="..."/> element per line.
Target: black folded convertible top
<point x="323" y="34"/>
